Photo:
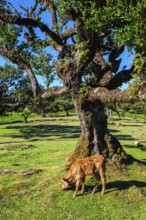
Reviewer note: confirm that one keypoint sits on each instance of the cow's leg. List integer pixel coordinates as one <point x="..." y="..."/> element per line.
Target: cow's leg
<point x="97" y="182"/>
<point x="103" y="180"/>
<point x="83" y="185"/>
<point x="77" y="187"/>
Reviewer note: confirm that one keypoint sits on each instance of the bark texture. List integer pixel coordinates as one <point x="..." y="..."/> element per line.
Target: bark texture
<point x="95" y="137"/>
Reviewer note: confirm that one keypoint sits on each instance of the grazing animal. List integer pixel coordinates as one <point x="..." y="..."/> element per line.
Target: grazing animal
<point x="94" y="165"/>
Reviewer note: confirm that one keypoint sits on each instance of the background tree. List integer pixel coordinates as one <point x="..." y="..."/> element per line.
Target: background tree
<point x="25" y="113"/>
<point x="44" y="67"/>
<point x="63" y="103"/>
<point x="89" y="37"/>
<point x="112" y="108"/>
<point x="14" y="88"/>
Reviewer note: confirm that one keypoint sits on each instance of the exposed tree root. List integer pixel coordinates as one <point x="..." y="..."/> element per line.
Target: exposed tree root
<point x="112" y="150"/>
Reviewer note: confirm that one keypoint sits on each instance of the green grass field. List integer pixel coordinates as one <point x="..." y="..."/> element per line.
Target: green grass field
<point x="32" y="162"/>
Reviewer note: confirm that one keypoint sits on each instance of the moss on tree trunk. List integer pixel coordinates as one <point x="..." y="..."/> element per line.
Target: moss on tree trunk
<point x="95" y="137"/>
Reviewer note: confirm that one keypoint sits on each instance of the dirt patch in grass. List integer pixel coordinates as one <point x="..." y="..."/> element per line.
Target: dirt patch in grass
<point x="28" y="172"/>
<point x="48" y="182"/>
<point x="17" y="147"/>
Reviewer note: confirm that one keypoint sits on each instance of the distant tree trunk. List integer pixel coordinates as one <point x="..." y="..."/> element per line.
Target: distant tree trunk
<point x="67" y="112"/>
<point x="95" y="137"/>
<point x="144" y="110"/>
<point x="109" y="114"/>
<point x="25" y="118"/>
<point x="43" y="113"/>
<point x="135" y="114"/>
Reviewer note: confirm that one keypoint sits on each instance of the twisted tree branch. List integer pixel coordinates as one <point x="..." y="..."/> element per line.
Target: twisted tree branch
<point x="15" y="58"/>
<point x="52" y="93"/>
<point x="51" y="7"/>
<point x="107" y="96"/>
<point x="68" y="33"/>
<point x="120" y="78"/>
<point x="101" y="70"/>
<point x="33" y="23"/>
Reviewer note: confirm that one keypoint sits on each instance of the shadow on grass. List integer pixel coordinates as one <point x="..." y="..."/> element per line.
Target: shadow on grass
<point x="143" y="148"/>
<point x="11" y="122"/>
<point x="130" y="125"/>
<point x="112" y="186"/>
<point x="123" y="185"/>
<point x="52" y="118"/>
<point x="46" y="130"/>
<point x="49" y="132"/>
<point x="124" y="137"/>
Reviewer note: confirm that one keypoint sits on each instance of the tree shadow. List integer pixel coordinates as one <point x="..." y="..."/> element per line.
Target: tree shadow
<point x="113" y="130"/>
<point x="41" y="130"/>
<point x="123" y="185"/>
<point x="112" y="186"/>
<point x="141" y="147"/>
<point x="130" y="125"/>
<point x="124" y="137"/>
<point x="47" y="132"/>
<point x="12" y="122"/>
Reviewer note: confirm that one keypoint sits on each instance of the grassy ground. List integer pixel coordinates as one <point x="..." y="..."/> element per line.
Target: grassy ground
<point x="32" y="163"/>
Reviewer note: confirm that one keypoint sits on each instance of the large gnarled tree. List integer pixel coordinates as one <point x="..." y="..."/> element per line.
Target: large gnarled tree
<point x="83" y="33"/>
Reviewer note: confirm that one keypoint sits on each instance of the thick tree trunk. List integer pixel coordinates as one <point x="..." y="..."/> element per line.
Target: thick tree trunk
<point x="95" y="137"/>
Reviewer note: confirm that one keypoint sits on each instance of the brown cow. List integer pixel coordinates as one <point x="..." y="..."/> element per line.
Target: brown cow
<point x="94" y="165"/>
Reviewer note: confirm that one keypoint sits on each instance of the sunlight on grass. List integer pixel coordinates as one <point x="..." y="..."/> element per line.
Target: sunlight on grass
<point x="33" y="158"/>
